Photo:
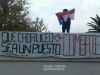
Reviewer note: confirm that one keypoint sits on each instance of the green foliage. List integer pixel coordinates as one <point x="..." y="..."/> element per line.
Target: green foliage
<point x="14" y="17"/>
<point x="39" y="26"/>
<point x="95" y="24"/>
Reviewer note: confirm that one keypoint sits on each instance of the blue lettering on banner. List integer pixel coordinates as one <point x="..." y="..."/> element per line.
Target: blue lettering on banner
<point x="31" y="44"/>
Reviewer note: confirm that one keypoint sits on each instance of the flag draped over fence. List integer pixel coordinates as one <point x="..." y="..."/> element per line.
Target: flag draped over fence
<point x="62" y="16"/>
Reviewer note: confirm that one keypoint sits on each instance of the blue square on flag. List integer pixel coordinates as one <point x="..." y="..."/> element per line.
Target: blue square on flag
<point x="61" y="20"/>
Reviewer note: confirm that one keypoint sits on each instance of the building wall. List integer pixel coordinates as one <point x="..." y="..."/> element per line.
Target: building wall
<point x="21" y="66"/>
<point x="71" y="54"/>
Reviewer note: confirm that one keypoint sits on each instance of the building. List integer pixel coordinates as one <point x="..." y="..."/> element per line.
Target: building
<point x="54" y="54"/>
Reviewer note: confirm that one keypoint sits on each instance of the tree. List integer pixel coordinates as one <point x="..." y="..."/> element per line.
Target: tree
<point x="14" y="16"/>
<point x="39" y="26"/>
<point x="95" y="24"/>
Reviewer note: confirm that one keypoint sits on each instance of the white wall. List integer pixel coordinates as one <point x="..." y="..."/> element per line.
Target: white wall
<point x="18" y="66"/>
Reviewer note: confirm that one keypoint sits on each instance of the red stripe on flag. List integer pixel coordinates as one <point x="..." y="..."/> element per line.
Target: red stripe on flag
<point x="61" y="14"/>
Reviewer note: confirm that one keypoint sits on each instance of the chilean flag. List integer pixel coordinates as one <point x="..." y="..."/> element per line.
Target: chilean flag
<point x="62" y="16"/>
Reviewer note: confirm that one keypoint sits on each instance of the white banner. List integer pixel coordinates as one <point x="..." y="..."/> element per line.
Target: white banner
<point x="32" y="45"/>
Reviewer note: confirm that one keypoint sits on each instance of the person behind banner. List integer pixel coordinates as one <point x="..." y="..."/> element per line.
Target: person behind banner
<point x="67" y="23"/>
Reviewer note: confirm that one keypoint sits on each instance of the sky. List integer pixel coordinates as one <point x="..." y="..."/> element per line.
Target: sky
<point x="46" y="9"/>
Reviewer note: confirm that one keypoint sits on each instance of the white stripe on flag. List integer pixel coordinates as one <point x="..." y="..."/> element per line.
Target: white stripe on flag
<point x="72" y="16"/>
